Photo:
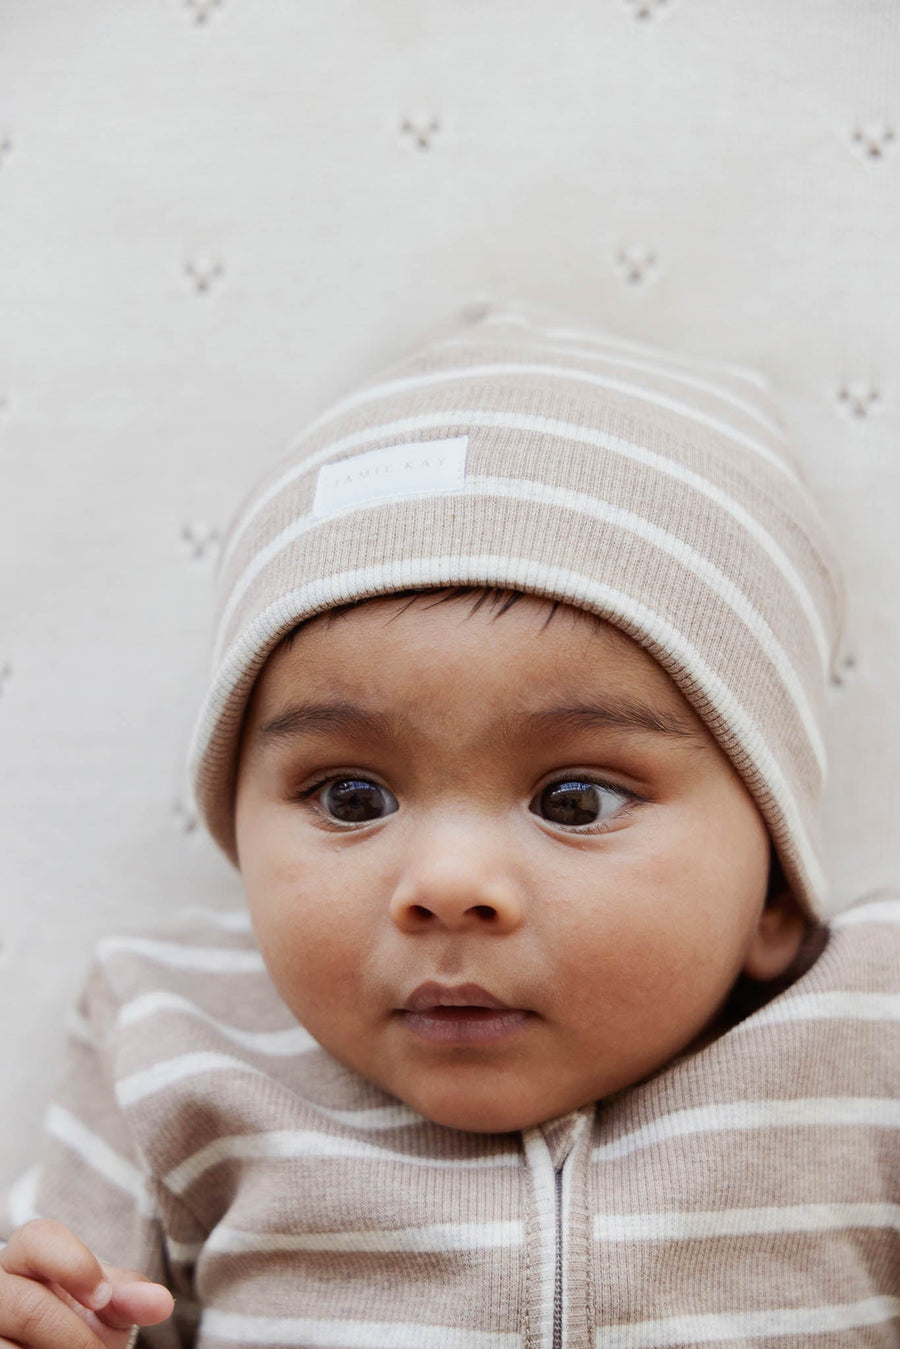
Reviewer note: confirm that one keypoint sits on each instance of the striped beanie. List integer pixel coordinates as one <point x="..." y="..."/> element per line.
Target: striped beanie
<point x="523" y="449"/>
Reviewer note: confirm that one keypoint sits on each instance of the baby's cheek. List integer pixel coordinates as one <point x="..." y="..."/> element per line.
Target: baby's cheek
<point x="649" y="942"/>
<point x="310" y="945"/>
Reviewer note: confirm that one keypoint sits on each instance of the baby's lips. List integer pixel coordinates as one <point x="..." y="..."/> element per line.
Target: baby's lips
<point x="433" y="994"/>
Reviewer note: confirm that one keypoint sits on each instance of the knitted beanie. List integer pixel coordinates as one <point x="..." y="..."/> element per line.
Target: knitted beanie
<point x="522" y="449"/>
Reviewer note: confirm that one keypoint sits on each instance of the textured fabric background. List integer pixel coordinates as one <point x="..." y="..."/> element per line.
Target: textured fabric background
<point x="218" y="216"/>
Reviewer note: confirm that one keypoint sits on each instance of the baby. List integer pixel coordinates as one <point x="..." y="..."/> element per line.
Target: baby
<point x="539" y="1039"/>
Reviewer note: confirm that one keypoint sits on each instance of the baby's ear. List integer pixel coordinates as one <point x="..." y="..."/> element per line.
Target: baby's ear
<point x="781" y="928"/>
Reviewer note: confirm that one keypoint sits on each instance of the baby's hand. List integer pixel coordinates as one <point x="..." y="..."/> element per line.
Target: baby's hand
<point x="55" y="1294"/>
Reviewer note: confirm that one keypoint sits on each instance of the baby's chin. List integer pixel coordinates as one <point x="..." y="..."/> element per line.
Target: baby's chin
<point x="498" y="1102"/>
<point x="492" y="1111"/>
<point x="475" y="1120"/>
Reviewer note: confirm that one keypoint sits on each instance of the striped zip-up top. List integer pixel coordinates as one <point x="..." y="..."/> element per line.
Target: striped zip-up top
<point x="747" y="1195"/>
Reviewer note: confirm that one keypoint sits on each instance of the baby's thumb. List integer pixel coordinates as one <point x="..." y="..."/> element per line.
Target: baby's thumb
<point x="134" y="1301"/>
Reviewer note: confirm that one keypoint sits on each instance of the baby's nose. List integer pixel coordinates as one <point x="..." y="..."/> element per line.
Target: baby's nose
<point x="457" y="892"/>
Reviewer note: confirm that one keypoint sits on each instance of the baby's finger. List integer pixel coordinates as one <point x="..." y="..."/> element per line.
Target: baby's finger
<point x="47" y="1251"/>
<point x="33" y="1317"/>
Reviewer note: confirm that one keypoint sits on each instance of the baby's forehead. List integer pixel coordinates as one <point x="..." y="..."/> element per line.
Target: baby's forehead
<point x="553" y="620"/>
<point x="446" y="617"/>
<point x="506" y="662"/>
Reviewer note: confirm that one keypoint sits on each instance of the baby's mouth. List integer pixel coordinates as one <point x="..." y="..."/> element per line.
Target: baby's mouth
<point x="461" y="1014"/>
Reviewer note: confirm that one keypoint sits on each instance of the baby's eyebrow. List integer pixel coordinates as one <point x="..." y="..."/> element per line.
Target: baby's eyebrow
<point x="621" y="714"/>
<point x="320" y="719"/>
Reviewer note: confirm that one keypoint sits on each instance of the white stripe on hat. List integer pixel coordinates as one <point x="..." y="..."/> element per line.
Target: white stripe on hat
<point x="580" y="503"/>
<point x="603" y="341"/>
<point x="643" y="393"/>
<point x="567" y="431"/>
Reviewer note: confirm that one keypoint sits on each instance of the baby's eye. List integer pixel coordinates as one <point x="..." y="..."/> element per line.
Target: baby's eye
<point x="578" y="801"/>
<point x="355" y="800"/>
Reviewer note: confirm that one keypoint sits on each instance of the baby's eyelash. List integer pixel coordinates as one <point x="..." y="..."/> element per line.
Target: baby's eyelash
<point x="304" y="793"/>
<point x="605" y="783"/>
<point x="363" y="801"/>
<point x="574" y="811"/>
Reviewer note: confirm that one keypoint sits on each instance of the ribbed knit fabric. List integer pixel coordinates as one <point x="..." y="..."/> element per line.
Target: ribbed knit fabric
<point x="746" y="1195"/>
<point x="521" y="450"/>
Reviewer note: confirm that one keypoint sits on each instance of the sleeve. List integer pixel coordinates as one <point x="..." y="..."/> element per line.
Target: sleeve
<point x="91" y="1174"/>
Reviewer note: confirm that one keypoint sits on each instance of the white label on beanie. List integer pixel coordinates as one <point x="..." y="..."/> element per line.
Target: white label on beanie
<point x="420" y="468"/>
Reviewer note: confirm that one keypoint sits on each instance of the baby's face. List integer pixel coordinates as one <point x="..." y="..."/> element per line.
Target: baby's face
<point x="497" y="866"/>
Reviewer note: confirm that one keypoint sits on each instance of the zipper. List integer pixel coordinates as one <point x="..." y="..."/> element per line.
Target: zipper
<point x="544" y="1181"/>
<point x="550" y="1197"/>
<point x="558" y="1275"/>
